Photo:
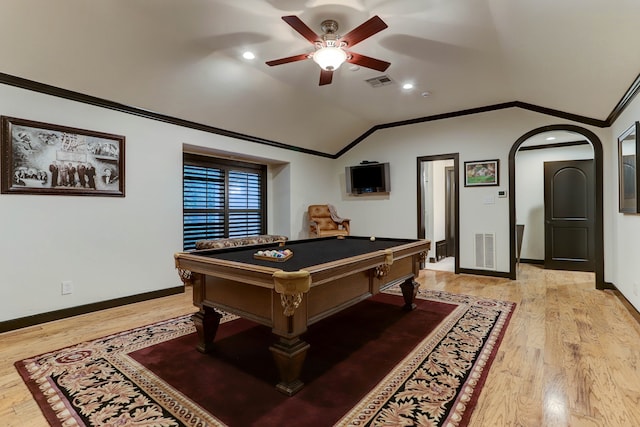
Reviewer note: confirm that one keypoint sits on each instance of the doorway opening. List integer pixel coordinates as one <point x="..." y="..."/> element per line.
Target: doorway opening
<point x="438" y="212"/>
<point x="561" y="231"/>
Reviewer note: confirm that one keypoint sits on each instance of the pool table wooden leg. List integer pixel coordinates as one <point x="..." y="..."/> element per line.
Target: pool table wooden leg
<point x="206" y="322"/>
<point x="409" y="291"/>
<point x="289" y="355"/>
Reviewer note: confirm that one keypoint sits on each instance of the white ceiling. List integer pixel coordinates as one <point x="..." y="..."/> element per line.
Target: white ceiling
<point x="182" y="58"/>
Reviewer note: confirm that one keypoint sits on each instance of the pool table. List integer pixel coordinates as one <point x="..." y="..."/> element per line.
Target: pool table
<point x="322" y="277"/>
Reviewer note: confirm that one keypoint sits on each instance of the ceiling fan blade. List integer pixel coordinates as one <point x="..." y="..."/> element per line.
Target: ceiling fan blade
<point x="302" y="28"/>
<point x="325" y="77"/>
<point x="366" y="61"/>
<point x="288" y="59"/>
<point x="364" y="31"/>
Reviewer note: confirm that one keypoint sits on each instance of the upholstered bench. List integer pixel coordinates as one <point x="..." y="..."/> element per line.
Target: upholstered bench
<point x="239" y="241"/>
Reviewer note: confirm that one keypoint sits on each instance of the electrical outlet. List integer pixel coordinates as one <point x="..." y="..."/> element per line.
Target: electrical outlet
<point x="67" y="287"/>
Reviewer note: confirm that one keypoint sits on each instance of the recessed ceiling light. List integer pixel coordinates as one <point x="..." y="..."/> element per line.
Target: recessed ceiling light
<point x="550" y="138"/>
<point x="248" y="55"/>
<point x="407" y="86"/>
<point x="426" y="94"/>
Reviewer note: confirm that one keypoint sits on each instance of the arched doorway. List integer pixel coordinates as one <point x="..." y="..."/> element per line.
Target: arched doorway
<point x="598" y="225"/>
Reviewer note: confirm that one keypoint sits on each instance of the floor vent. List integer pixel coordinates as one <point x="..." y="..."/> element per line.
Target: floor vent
<point x="379" y="81"/>
<point x="485" y="249"/>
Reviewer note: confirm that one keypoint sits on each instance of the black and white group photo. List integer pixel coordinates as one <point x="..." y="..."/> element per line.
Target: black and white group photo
<point x="60" y="161"/>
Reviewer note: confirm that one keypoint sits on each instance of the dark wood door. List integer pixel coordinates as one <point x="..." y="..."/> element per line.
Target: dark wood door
<point x="450" y="210"/>
<point x="569" y="211"/>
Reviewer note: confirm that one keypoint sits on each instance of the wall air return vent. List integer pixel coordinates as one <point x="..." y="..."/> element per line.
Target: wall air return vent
<point x="379" y="81"/>
<point x="485" y="250"/>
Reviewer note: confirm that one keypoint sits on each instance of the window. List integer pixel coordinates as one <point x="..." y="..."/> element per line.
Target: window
<point x="222" y="198"/>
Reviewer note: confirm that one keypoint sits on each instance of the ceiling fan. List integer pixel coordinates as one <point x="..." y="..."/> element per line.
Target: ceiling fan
<point x="331" y="48"/>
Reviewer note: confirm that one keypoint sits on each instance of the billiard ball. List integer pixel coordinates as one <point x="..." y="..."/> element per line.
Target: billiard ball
<point x="372" y="239"/>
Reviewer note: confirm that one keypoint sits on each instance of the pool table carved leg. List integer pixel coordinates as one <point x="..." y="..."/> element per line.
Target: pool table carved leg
<point x="206" y="322"/>
<point x="409" y="291"/>
<point x="289" y="355"/>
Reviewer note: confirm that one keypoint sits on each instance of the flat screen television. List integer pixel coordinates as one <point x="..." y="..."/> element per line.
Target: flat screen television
<point x="368" y="178"/>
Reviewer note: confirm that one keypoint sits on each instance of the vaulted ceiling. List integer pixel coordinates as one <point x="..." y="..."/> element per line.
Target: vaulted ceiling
<point x="183" y="59"/>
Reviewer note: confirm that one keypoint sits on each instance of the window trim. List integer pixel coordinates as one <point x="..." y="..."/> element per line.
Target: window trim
<point x="227" y="165"/>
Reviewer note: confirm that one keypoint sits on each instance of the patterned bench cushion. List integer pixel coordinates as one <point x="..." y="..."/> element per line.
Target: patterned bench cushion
<point x="239" y="241"/>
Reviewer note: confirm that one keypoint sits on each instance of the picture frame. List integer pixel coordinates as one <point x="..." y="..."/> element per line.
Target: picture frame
<point x="44" y="158"/>
<point x="628" y="177"/>
<point x="481" y="173"/>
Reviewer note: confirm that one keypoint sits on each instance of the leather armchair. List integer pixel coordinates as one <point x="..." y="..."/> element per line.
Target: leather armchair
<point x="324" y="221"/>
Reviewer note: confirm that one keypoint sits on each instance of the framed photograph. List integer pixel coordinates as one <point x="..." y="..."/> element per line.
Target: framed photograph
<point x="481" y="173"/>
<point x="41" y="158"/>
<point x="628" y="178"/>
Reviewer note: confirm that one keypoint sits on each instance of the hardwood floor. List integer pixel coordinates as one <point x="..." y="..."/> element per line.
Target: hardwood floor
<point x="570" y="357"/>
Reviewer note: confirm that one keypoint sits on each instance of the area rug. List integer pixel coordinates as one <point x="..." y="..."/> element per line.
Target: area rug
<point x="369" y="365"/>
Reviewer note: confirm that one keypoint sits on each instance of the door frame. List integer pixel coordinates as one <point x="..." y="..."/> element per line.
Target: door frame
<point x="599" y="223"/>
<point x="456" y="195"/>
<point x="451" y="181"/>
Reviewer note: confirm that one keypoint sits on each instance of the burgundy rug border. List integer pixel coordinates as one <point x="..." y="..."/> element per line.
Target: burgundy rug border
<point x="471" y="406"/>
<point x="497" y="334"/>
<point x="41" y="400"/>
<point x="34" y="389"/>
<point x="51" y="417"/>
<point x="115" y="334"/>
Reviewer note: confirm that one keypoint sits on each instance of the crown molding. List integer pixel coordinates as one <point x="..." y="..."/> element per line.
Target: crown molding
<point x="624" y="101"/>
<point x="111" y="105"/>
<point x="554" y="145"/>
<point x="104" y="103"/>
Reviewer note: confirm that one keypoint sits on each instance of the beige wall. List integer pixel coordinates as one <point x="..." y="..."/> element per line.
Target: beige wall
<point x="115" y="247"/>
<point x="477" y="137"/>
<point x="623" y="247"/>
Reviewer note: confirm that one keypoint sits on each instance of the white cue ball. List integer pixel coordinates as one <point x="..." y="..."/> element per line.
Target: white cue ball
<point x="372" y="239"/>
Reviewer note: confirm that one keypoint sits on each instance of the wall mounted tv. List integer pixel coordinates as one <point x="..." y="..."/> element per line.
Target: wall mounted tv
<point x="368" y="178"/>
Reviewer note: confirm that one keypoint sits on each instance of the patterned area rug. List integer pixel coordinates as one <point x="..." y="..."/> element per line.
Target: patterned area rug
<point x="437" y="383"/>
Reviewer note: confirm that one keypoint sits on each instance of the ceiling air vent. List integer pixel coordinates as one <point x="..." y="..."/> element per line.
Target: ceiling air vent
<point x="379" y="81"/>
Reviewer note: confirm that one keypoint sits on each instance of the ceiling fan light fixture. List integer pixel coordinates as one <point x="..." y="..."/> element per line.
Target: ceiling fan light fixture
<point x="331" y="48"/>
<point x="329" y="58"/>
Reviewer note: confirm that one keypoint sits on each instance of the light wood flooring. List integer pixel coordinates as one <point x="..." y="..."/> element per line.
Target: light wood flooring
<point x="570" y="357"/>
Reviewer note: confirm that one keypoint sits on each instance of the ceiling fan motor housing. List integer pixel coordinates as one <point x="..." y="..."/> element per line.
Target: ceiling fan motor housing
<point x="329" y="26"/>
<point x="330" y="38"/>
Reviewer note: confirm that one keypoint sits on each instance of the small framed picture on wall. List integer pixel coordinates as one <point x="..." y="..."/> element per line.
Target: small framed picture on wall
<point x="481" y="173"/>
